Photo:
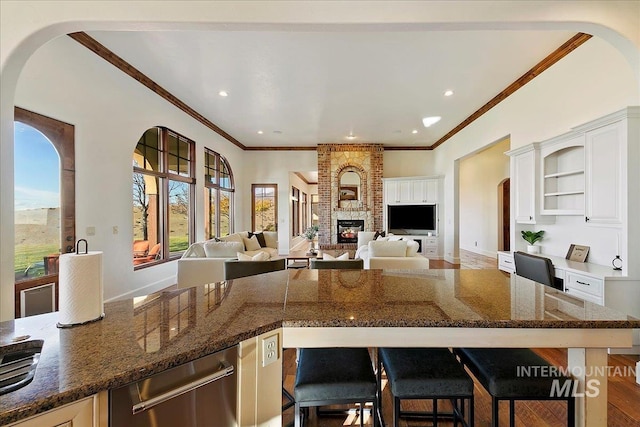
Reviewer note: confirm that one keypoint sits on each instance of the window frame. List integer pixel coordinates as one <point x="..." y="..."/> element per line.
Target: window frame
<point x="253" y="204"/>
<point x="217" y="186"/>
<point x="295" y="211"/>
<point x="164" y="177"/>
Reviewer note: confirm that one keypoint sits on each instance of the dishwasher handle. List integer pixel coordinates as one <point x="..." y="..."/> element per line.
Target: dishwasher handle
<point x="227" y="369"/>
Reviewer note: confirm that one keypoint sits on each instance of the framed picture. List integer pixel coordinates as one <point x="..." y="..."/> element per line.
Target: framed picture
<point x="348" y="193"/>
<point x="577" y="253"/>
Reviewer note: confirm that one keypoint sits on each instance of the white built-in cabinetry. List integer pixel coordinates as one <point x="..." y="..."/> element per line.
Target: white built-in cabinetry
<point x="563" y="176"/>
<point x="582" y="172"/>
<point x="88" y="412"/>
<point x="605" y="169"/>
<point x="411" y="190"/>
<point x="525" y="162"/>
<point x="415" y="191"/>
<point x="591" y="172"/>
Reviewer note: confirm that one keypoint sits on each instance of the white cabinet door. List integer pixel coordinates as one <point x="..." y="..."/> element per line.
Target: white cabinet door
<point x="603" y="173"/>
<point x="76" y="414"/>
<point x="405" y="193"/>
<point x="419" y="191"/>
<point x="431" y="186"/>
<point x="524" y="174"/>
<point x="391" y="194"/>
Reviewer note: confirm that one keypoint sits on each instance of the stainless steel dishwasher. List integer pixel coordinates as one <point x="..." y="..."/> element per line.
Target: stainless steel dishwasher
<point x="201" y="393"/>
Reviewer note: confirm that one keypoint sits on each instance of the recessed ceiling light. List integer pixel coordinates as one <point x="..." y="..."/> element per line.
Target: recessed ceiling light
<point x="260" y="132"/>
<point x="428" y="121"/>
<point x="448" y="93"/>
<point x="223" y="93"/>
<point x="414" y="131"/>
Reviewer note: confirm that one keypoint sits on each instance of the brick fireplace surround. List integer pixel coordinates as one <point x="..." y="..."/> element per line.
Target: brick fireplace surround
<point x="366" y="161"/>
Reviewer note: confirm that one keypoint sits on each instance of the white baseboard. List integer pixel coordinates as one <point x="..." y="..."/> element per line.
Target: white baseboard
<point x="475" y="250"/>
<point x="452" y="260"/>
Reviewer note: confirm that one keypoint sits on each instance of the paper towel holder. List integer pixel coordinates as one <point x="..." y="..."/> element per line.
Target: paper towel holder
<point x="86" y="246"/>
<point x="71" y="325"/>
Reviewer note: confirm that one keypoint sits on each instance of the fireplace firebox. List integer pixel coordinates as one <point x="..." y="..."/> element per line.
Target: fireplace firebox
<point x="348" y="230"/>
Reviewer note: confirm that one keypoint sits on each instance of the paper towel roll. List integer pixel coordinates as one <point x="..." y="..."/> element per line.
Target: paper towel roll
<point x="80" y="281"/>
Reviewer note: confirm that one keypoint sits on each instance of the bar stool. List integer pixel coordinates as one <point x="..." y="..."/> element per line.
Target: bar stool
<point x="334" y="376"/>
<point x="497" y="369"/>
<point x="426" y="373"/>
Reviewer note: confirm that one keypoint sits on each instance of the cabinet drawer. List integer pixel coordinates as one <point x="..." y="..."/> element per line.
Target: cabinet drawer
<point x="431" y="241"/>
<point x="505" y="263"/>
<point x="584" y="284"/>
<point x="430" y="252"/>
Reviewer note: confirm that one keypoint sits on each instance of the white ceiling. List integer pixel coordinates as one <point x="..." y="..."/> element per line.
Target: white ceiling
<point x="305" y="88"/>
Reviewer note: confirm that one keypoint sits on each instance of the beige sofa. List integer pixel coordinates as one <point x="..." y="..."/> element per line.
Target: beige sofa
<point x="203" y="262"/>
<point x="391" y="252"/>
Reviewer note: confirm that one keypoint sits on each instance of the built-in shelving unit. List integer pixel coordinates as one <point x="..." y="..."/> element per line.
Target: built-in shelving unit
<point x="563" y="178"/>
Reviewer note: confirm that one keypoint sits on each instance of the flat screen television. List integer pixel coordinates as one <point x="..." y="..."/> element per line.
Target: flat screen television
<point x="412" y="219"/>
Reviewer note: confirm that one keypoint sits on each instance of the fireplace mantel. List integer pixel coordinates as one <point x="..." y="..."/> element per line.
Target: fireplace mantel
<point x="334" y="159"/>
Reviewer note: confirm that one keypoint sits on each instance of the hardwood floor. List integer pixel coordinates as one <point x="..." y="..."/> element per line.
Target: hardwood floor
<point x="623" y="392"/>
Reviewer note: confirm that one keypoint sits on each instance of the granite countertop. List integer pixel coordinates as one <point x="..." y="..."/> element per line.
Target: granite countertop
<point x="145" y="335"/>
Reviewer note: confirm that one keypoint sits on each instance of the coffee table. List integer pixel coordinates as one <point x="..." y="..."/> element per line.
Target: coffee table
<point x="300" y="259"/>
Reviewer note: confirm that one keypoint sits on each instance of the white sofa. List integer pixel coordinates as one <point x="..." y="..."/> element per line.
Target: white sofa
<point x="390" y="252"/>
<point x="203" y="262"/>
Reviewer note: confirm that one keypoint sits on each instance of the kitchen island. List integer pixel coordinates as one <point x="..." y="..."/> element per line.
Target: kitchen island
<point x="315" y="308"/>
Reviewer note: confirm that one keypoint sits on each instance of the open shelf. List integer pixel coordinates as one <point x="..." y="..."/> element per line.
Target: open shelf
<point x="561" y="174"/>
<point x="564" y="181"/>
<point x="564" y="193"/>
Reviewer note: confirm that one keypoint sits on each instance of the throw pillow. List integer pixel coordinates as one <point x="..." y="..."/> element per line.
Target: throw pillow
<point x="261" y="240"/>
<point x="379" y="234"/>
<point x="235" y="237"/>
<point x="271" y="238"/>
<point x="251" y="243"/>
<point x="343" y="257"/>
<point x="213" y="249"/>
<point x="260" y="256"/>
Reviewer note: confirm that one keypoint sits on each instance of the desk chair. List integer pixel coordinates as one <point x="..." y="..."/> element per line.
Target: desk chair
<point x="536" y="268"/>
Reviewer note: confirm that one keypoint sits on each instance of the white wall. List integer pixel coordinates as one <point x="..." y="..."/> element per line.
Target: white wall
<point x="591" y="82"/>
<point x="110" y="111"/>
<point x="480" y="175"/>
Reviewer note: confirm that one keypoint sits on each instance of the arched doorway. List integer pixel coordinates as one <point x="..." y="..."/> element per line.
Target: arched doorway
<point x="504" y="216"/>
<point x="44" y="204"/>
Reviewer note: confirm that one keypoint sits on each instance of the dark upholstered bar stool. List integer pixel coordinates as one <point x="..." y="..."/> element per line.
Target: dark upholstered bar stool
<point x="500" y="371"/>
<point x="426" y="373"/>
<point x="334" y="376"/>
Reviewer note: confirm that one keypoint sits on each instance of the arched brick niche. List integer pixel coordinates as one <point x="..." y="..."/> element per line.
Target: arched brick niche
<point x="333" y="161"/>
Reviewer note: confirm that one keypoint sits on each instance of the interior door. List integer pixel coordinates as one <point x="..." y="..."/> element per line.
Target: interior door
<point x="61" y="136"/>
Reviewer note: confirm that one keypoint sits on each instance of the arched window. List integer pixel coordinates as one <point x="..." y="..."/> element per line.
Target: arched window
<point x="163" y="189"/>
<point x="218" y="191"/>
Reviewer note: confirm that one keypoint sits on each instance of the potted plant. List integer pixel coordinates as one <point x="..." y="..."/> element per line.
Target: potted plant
<point x="310" y="234"/>
<point x="532" y="237"/>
